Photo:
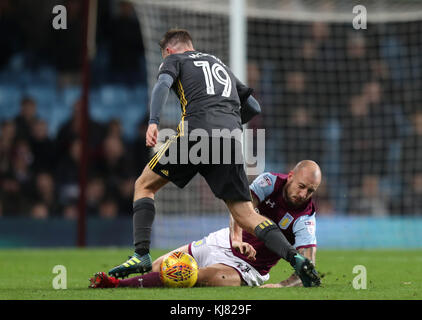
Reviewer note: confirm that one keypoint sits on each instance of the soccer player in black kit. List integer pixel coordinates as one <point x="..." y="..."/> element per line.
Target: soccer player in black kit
<point x="211" y="98"/>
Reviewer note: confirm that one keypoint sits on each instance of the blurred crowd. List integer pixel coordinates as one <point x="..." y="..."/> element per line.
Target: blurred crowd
<point x="26" y="31"/>
<point x="348" y="99"/>
<point x="40" y="175"/>
<point x="39" y="172"/>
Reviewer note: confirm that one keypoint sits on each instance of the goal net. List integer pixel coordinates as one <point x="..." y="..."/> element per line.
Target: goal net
<point x="332" y="89"/>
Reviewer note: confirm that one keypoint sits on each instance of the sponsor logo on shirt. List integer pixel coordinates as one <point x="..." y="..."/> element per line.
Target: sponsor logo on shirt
<point x="198" y="243"/>
<point x="265" y="181"/>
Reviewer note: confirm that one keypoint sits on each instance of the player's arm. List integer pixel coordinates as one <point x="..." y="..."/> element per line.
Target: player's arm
<point x="305" y="238"/>
<point x="237" y="242"/>
<point x="235" y="231"/>
<point x="260" y="188"/>
<point x="250" y="108"/>
<point x="159" y="97"/>
<point x="294" y="280"/>
<point x="236" y="236"/>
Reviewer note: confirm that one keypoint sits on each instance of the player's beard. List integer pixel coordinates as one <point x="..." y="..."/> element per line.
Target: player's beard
<point x="289" y="200"/>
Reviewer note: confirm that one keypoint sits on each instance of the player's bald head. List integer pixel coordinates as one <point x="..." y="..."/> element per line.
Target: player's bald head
<point x="308" y="169"/>
<point x="301" y="183"/>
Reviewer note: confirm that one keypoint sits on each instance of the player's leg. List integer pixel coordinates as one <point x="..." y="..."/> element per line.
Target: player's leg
<point x="262" y="227"/>
<point x="155" y="175"/>
<point x="269" y="233"/>
<point x="229" y="183"/>
<point x="218" y="275"/>
<point x="143" y="217"/>
<point x="146" y="186"/>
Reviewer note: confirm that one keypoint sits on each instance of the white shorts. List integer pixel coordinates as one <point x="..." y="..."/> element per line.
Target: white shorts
<point x="215" y="248"/>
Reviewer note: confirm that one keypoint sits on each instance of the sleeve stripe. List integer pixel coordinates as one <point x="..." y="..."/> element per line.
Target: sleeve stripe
<point x="306" y="246"/>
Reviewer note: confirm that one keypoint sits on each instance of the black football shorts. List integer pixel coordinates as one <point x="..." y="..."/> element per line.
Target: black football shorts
<point x="221" y="164"/>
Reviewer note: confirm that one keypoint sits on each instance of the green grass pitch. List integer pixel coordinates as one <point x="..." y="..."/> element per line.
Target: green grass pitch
<point x="27" y="274"/>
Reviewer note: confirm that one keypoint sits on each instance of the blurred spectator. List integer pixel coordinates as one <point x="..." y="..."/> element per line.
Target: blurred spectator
<point x="7" y="140"/>
<point x="413" y="195"/>
<point x="412" y="148"/>
<point x="325" y="205"/>
<point x="126" y="46"/>
<point x="13" y="199"/>
<point x="45" y="193"/>
<point x="363" y="150"/>
<point x="66" y="45"/>
<point x="301" y="131"/>
<point x="369" y="199"/>
<point x="315" y="45"/>
<point x="114" y="128"/>
<point x="108" y="208"/>
<point x="71" y="130"/>
<point x="125" y="196"/>
<point x="39" y="211"/>
<point x="141" y="153"/>
<point x="21" y="163"/>
<point x="95" y="192"/>
<point x="114" y="163"/>
<point x="411" y="166"/>
<point x="43" y="147"/>
<point x="357" y="65"/>
<point x="26" y="118"/>
<point x="295" y="87"/>
<point x="70" y="211"/>
<point x="384" y="123"/>
<point x="67" y="175"/>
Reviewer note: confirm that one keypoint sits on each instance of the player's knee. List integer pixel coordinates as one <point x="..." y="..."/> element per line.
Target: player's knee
<point x="139" y="183"/>
<point x="216" y="279"/>
<point x="205" y="277"/>
<point x="142" y="185"/>
<point x="156" y="265"/>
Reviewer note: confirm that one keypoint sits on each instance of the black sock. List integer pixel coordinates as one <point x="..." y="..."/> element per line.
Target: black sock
<point x="143" y="217"/>
<point x="274" y="239"/>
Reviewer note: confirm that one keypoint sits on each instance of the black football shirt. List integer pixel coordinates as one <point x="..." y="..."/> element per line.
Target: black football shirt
<point x="209" y="93"/>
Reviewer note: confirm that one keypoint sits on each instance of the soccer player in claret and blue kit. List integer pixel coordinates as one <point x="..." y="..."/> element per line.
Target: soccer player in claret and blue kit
<point x="211" y="99"/>
<point x="233" y="257"/>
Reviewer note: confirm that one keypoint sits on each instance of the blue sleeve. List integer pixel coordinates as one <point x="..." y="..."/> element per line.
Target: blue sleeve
<point x="263" y="185"/>
<point x="159" y="97"/>
<point x="304" y="230"/>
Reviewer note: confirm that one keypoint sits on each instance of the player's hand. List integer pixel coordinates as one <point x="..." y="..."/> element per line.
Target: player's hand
<point x="152" y="135"/>
<point x="292" y="281"/>
<point x="244" y="248"/>
<point x="272" y="285"/>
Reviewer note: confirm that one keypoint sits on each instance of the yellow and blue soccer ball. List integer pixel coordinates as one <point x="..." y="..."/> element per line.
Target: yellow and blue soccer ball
<point x="179" y="270"/>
